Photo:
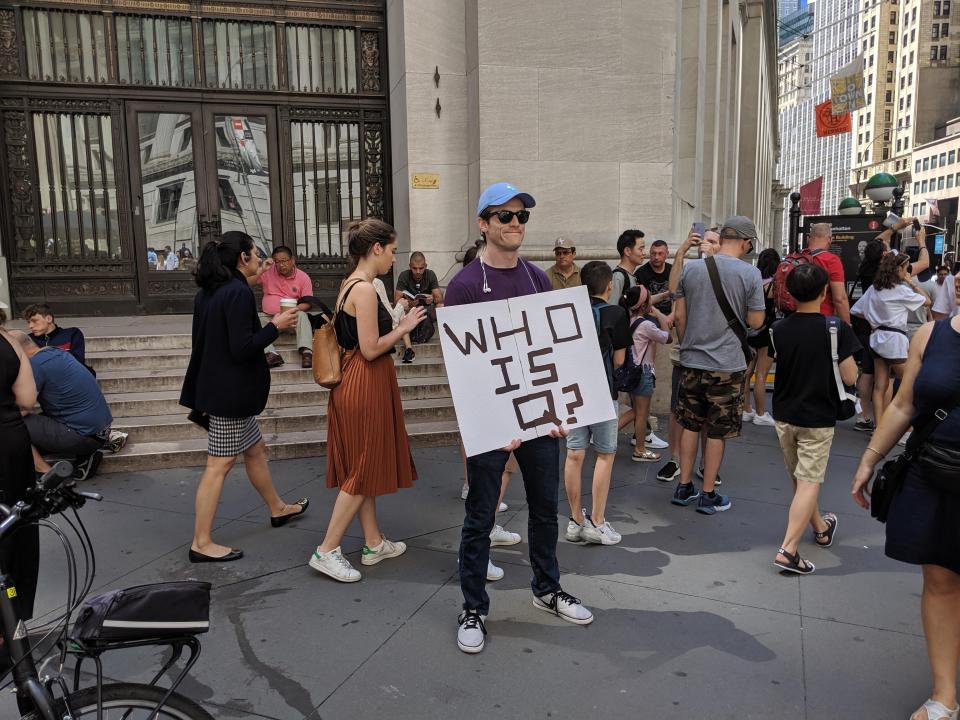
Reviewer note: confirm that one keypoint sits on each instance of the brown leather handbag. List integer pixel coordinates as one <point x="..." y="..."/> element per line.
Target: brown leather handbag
<point x="327" y="352"/>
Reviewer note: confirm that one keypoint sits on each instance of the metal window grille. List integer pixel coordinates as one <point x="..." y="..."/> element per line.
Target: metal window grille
<point x="65" y="46"/>
<point x="321" y="59"/>
<point x="326" y="185"/>
<point x="76" y="189"/>
<point x="155" y="50"/>
<point x="240" y="55"/>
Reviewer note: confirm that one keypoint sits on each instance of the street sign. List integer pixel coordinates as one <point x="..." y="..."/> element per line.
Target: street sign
<point x="851" y="233"/>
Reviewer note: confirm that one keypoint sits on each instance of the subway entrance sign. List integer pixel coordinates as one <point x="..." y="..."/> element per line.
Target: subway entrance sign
<point x="851" y="233"/>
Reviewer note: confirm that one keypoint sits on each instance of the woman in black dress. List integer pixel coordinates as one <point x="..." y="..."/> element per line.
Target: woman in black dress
<point x="922" y="526"/>
<point x="18" y="392"/>
<point x="227" y="384"/>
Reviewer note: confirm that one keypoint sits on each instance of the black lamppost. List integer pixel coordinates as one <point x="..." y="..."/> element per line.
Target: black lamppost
<point x="794" y="222"/>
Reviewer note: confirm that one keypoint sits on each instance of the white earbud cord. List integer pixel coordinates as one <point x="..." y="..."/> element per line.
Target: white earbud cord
<point x="486" y="287"/>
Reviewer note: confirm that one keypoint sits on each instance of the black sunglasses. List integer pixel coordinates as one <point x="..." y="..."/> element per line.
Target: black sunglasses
<point x="506" y="216"/>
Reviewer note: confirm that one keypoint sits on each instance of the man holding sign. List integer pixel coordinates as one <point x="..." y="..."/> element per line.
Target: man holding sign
<point x="499" y="274"/>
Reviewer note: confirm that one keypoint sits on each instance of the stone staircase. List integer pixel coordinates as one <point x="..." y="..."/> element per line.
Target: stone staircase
<point x="141" y="377"/>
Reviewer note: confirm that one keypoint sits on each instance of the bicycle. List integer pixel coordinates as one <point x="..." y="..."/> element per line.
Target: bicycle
<point x="49" y="697"/>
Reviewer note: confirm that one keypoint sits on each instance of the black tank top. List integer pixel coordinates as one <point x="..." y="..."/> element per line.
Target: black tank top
<point x="346" y="325"/>
<point x="9" y="369"/>
<point x="938" y="382"/>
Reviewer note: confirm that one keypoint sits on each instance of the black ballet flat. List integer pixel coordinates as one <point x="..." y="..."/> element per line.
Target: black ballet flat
<point x="196" y="557"/>
<point x="282" y="520"/>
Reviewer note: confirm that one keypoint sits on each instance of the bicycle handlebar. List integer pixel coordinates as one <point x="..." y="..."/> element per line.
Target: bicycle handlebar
<point x="55" y="476"/>
<point x="53" y="492"/>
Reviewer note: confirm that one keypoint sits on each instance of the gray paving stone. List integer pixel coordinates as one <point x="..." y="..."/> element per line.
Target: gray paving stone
<point x="692" y="620"/>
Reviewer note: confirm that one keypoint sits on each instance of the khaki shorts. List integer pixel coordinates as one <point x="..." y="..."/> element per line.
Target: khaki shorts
<point x="805" y="450"/>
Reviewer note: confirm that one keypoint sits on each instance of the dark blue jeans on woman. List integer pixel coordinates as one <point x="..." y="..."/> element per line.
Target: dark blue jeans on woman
<point x="539" y="462"/>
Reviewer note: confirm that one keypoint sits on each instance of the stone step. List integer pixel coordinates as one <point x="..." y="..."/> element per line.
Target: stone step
<point x="283" y="446"/>
<point x="137" y="359"/>
<point x="273" y="421"/>
<point x="173" y="341"/>
<point x="165" y="402"/>
<point x="136" y="381"/>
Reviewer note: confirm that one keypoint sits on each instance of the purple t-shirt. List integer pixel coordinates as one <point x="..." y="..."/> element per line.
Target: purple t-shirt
<point x="467" y="285"/>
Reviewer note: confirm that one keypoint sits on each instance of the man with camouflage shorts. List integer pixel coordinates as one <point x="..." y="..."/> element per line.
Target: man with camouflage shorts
<point x="712" y="359"/>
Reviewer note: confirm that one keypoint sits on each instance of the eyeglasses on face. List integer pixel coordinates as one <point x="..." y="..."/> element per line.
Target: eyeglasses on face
<point x="505" y="217"/>
<point x="563" y="251"/>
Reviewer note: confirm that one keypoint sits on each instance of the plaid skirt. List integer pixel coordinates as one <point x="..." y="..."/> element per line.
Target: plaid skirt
<point x="229" y="437"/>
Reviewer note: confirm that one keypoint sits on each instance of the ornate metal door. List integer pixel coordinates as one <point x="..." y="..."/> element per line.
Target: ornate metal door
<point x="133" y="124"/>
<point x="197" y="171"/>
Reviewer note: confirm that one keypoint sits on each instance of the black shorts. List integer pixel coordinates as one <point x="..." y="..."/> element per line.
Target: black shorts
<point x="761" y="340"/>
<point x="52" y="437"/>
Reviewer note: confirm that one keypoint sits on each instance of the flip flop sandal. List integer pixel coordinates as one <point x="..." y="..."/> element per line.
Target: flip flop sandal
<point x="796" y="565"/>
<point x="831" y="520"/>
<point x="938" y="711"/>
<point x="646" y="456"/>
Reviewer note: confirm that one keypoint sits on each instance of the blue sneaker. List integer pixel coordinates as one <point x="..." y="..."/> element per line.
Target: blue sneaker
<point x="713" y="503"/>
<point x="685" y="494"/>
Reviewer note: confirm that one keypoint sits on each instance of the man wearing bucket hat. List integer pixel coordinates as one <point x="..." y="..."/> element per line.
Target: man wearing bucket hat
<point x="500" y="273"/>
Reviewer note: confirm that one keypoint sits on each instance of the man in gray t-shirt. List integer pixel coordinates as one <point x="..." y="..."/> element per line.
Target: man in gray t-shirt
<point x="712" y="360"/>
<point x="708" y="342"/>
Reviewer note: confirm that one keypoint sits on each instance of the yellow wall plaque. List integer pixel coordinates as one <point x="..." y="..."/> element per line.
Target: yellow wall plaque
<point x="425" y="181"/>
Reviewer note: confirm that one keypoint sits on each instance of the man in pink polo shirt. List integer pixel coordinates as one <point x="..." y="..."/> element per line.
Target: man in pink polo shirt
<point x="285" y="280"/>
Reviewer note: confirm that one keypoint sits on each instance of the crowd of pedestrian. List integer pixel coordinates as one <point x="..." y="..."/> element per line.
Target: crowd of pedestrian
<point x="728" y="320"/>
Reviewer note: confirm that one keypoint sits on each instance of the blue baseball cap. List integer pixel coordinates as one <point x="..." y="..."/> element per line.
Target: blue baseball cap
<point x="501" y="193"/>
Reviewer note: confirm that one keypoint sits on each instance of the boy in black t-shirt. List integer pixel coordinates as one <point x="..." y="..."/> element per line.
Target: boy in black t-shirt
<point x="613" y="332"/>
<point x="805" y="406"/>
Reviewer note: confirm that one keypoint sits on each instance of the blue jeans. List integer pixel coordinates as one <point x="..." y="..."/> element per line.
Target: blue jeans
<point x="539" y="462"/>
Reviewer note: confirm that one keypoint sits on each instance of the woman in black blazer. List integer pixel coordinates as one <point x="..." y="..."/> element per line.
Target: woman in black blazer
<point x="228" y="381"/>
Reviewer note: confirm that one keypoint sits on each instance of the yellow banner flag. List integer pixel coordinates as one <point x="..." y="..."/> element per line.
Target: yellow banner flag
<point x="846" y="88"/>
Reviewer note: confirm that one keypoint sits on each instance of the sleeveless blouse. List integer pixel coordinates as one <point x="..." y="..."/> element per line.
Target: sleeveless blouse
<point x="938" y="382"/>
<point x="345" y="325"/>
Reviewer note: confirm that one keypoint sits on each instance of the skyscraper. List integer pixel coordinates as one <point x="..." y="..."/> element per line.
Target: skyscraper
<point x="787" y="7"/>
<point x="804" y="156"/>
<point x="912" y="81"/>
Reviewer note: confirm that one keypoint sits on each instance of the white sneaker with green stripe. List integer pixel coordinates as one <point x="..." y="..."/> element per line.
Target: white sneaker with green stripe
<point x="335" y="565"/>
<point x="386" y="549"/>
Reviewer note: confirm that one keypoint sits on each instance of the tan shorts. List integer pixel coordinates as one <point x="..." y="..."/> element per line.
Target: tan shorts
<point x="806" y="451"/>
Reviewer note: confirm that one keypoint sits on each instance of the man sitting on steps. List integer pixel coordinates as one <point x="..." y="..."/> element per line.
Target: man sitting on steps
<point x="75" y="419"/>
<point x="279" y="279"/>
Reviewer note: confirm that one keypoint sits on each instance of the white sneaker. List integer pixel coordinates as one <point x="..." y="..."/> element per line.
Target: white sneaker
<point x="335" y="565"/>
<point x="656" y="443"/>
<point x="603" y="534"/>
<point x="465" y="490"/>
<point x="765" y="420"/>
<point x="494" y="573"/>
<point x="564" y="606"/>
<point x="471" y="632"/>
<point x="499" y="536"/>
<point x="386" y="549"/>
<point x="574" y="530"/>
<point x="748" y="415"/>
<point x="902" y="442"/>
<point x="503" y="507"/>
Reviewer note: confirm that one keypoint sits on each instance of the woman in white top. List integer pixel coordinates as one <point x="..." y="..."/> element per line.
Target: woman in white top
<point x="886" y="305"/>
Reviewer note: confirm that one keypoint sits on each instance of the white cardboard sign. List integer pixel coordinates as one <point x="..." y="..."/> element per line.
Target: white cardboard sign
<point x="519" y="367"/>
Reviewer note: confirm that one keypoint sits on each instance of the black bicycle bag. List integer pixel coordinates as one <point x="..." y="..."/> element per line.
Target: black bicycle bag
<point x="145" y="611"/>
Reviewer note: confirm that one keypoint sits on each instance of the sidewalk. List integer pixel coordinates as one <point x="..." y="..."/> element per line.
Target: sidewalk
<point x="691" y="621"/>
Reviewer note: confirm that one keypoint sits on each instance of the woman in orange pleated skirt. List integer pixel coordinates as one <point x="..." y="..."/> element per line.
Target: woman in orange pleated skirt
<point x="368" y="452"/>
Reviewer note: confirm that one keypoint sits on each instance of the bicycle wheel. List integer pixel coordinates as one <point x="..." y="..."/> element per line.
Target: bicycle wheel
<point x="132" y="702"/>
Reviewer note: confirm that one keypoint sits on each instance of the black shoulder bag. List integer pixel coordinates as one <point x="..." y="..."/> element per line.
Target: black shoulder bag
<point x="891" y="475"/>
<point x="733" y="322"/>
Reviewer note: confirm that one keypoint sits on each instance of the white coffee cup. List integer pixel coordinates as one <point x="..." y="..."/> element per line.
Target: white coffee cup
<point x="287" y="303"/>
